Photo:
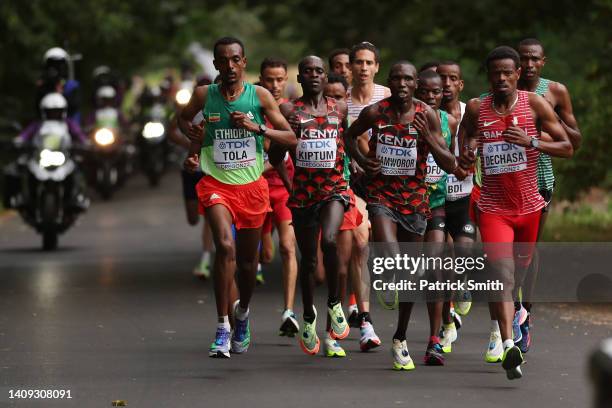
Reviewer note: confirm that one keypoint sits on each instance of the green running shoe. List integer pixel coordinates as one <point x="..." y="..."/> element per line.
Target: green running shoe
<point x="339" y="326"/>
<point x="309" y="341"/>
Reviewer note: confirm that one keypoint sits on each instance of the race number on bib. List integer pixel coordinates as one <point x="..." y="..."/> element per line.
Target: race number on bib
<point x="434" y="172"/>
<point x="456" y="189"/>
<point x="316" y="153"/>
<point x="503" y="157"/>
<point x="232" y="154"/>
<point x="396" y="160"/>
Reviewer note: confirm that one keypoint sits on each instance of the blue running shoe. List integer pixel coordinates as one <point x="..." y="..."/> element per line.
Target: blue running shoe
<point x="220" y="348"/>
<point x="242" y="333"/>
<point x="520" y="316"/>
<point x="525" y="342"/>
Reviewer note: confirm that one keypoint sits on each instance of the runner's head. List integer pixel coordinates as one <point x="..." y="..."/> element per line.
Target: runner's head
<point x="452" y="81"/>
<point x="429" y="66"/>
<point x="229" y="59"/>
<point x="429" y="88"/>
<point x="503" y="70"/>
<point x="339" y="63"/>
<point x="364" y="59"/>
<point x="312" y="75"/>
<point x="273" y="76"/>
<point x="532" y="57"/>
<point x="336" y="87"/>
<point x="402" y="81"/>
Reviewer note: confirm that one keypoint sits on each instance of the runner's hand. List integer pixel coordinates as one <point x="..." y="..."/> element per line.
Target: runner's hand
<point x="516" y="135"/>
<point x="460" y="173"/>
<point x="370" y="165"/>
<point x="241" y="120"/>
<point x="356" y="170"/>
<point x="467" y="158"/>
<point x="192" y="163"/>
<point x="422" y="125"/>
<point x="196" y="132"/>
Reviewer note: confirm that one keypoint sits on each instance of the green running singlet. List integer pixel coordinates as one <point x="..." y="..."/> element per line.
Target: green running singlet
<point x="231" y="155"/>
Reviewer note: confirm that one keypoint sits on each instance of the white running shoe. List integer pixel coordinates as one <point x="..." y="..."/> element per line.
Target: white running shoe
<point x="495" y="349"/>
<point x="332" y="348"/>
<point x="369" y="339"/>
<point x="448" y="335"/>
<point x="401" y="357"/>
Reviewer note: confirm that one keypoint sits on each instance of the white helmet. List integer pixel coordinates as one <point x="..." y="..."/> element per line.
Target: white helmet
<point x="56" y="53"/>
<point x="106" y="92"/>
<point x="53" y="101"/>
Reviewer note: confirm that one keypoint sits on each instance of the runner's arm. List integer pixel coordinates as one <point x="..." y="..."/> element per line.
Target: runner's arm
<point x="364" y="122"/>
<point x="196" y="103"/>
<point x="282" y="132"/>
<point x="277" y="151"/>
<point x="566" y="113"/>
<point x="468" y="133"/>
<point x="561" y="145"/>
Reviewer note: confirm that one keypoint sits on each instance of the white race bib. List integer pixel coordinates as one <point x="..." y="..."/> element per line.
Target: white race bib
<point x="456" y="189"/>
<point x="316" y="153"/>
<point x="232" y="154"/>
<point x="434" y="172"/>
<point x="503" y="157"/>
<point x="396" y="160"/>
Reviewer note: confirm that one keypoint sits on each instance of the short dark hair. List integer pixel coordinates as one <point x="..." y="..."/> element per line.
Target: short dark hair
<point x="335" y="53"/>
<point x="364" y="45"/>
<point x="447" y="63"/>
<point x="401" y="62"/>
<point x="503" y="52"/>
<point x="530" y="41"/>
<point x="428" y="74"/>
<point x="272" y="62"/>
<point x="333" y="78"/>
<point x="303" y="61"/>
<point x="227" y="41"/>
<point x="430" y="64"/>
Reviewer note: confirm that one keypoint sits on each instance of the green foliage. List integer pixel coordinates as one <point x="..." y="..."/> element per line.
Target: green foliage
<point x="135" y="36"/>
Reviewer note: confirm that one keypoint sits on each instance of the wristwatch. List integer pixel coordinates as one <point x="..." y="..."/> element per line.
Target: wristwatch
<point x="262" y="129"/>
<point x="535" y="143"/>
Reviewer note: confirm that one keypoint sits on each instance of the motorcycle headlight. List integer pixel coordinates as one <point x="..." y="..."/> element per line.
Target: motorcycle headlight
<point x="104" y="137"/>
<point x="183" y="96"/>
<point x="153" y="130"/>
<point x="49" y="158"/>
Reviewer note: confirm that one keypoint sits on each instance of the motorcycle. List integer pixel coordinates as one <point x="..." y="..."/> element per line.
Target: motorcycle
<point x="153" y="144"/>
<point x="51" y="192"/>
<point x="110" y="156"/>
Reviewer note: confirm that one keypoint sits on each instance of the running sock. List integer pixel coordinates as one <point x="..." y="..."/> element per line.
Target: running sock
<point x="223" y="323"/>
<point x="517" y="306"/>
<point x="309" y="318"/>
<point x="508" y="343"/>
<point x="434" y="340"/>
<point x="399" y="336"/>
<point x="352" y="300"/>
<point x="332" y="301"/>
<point x="494" y="326"/>
<point x="365" y="316"/>
<point x="241" y="313"/>
<point x="205" y="257"/>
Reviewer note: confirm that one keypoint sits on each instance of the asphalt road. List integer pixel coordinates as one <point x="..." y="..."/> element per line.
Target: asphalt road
<point x="115" y="314"/>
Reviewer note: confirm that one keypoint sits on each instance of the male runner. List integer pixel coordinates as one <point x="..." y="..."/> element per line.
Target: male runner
<point x="273" y="77"/>
<point x="396" y="190"/>
<point x="319" y="197"/>
<point x="339" y="63"/>
<point x="505" y="128"/>
<point x="365" y="63"/>
<point x="533" y="60"/>
<point x="233" y="191"/>
<point x="349" y="249"/>
<point x="429" y="90"/>
<point x="458" y="224"/>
